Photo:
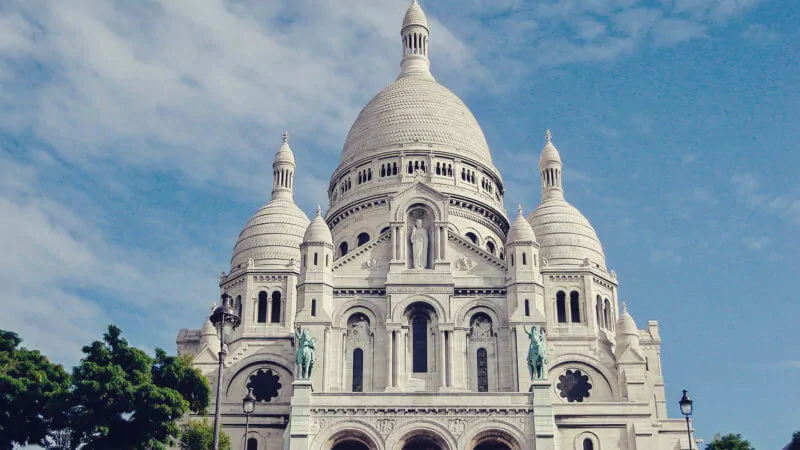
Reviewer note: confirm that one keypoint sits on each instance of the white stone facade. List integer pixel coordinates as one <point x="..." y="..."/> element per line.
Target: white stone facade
<point x="422" y="336"/>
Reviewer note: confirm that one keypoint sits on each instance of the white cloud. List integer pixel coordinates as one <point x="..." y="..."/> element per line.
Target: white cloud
<point x="756" y="243"/>
<point x="785" y="205"/>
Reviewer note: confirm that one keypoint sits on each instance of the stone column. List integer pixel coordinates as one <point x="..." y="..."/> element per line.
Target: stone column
<point x="459" y="352"/>
<point x="300" y="423"/>
<point x="402" y="351"/>
<point x="441" y="360"/>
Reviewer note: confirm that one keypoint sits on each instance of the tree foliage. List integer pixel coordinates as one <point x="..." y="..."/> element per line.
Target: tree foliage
<point x="729" y="442"/>
<point x="32" y="391"/>
<point x="124" y="399"/>
<point x="795" y="444"/>
<point x="199" y="435"/>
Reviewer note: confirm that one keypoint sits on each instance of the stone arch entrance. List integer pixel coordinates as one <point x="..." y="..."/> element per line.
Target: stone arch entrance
<point x="351" y="439"/>
<point x="423" y="440"/>
<point x="494" y="440"/>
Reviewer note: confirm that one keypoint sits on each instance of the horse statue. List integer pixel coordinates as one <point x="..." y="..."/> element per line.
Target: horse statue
<point x="537" y="353"/>
<point x="305" y="356"/>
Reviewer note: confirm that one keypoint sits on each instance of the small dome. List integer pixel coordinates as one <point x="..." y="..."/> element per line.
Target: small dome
<point x="626" y="326"/>
<point x="520" y="231"/>
<point x="415" y="16"/>
<point x="284" y="154"/>
<point x="318" y="230"/>
<point x="549" y="155"/>
<point x="565" y="236"/>
<point x="273" y="234"/>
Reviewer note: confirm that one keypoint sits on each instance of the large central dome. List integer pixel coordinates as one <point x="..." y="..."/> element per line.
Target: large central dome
<point x="416" y="108"/>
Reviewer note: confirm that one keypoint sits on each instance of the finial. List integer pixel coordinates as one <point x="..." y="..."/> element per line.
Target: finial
<point x="285" y="136"/>
<point x="519" y="209"/>
<point x="548" y="136"/>
<point x="624" y="308"/>
<point x="319" y="210"/>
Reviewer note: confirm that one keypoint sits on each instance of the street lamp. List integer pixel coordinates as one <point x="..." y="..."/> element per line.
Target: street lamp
<point x="248" y="406"/>
<point x="686" y="410"/>
<point x="225" y="321"/>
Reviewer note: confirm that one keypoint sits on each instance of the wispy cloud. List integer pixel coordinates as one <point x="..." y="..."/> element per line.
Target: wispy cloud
<point x="785" y="205"/>
<point x="756" y="243"/>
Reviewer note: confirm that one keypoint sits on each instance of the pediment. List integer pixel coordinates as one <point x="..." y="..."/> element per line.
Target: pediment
<point x="632" y="354"/>
<point x="467" y="259"/>
<point x="369" y="260"/>
<point x="205" y="356"/>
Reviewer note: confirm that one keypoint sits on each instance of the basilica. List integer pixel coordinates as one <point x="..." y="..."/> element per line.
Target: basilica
<point x="427" y="315"/>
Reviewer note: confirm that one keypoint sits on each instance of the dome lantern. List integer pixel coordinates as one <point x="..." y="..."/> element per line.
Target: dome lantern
<point x="283" y="170"/>
<point x="550" y="169"/>
<point x="415" y="43"/>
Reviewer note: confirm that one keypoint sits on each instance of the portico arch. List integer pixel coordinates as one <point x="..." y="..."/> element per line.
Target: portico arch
<point x="496" y="436"/>
<point x="421" y="435"/>
<point x="350" y="435"/>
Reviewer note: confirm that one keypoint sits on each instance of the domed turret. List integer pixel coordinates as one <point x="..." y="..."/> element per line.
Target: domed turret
<point x="318" y="231"/>
<point x="565" y="235"/>
<point x="521" y="230"/>
<point x="273" y="235"/>
<point x="208" y="335"/>
<point x="627" y="334"/>
<point x="415" y="43"/>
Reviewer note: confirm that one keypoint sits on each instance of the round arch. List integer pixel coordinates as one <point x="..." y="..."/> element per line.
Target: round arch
<point x="401" y="307"/>
<point x="265" y="360"/>
<point x="343" y="312"/>
<point x="401" y="210"/>
<point x="496" y="436"/>
<point x="465" y="312"/>
<point x="578" y="444"/>
<point x="423" y="429"/>
<point x="590" y="366"/>
<point x="352" y="431"/>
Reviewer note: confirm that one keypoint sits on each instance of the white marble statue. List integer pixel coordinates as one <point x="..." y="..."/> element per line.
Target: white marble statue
<point x="419" y="245"/>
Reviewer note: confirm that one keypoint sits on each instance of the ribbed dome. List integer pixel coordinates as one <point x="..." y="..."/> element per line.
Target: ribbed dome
<point x="284" y="154"/>
<point x="565" y="236"/>
<point x="415" y="16"/>
<point x="318" y="231"/>
<point x="520" y="231"/>
<point x="415" y="109"/>
<point x="273" y="234"/>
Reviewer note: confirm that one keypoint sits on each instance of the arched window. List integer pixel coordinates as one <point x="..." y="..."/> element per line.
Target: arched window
<point x="313" y="307"/>
<point x="512" y="260"/>
<point x="524" y="259"/>
<point x="419" y="330"/>
<point x="358" y="370"/>
<point x="599" y="310"/>
<point x="490" y="247"/>
<point x="385" y="229"/>
<point x="327" y="260"/>
<point x="483" y="371"/>
<point x="262" y="307"/>
<point x="239" y="305"/>
<point x="252" y="444"/>
<point x="276" y="307"/>
<point x="472" y="237"/>
<point x="588" y="444"/>
<point x="527" y="308"/>
<point x="363" y="238"/>
<point x="315" y="258"/>
<point x="607" y="314"/>
<point x="343" y="249"/>
<point x="561" y="306"/>
<point x="575" y="306"/>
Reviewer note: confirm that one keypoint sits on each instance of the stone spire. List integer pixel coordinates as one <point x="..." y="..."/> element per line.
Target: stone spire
<point x="283" y="170"/>
<point x="550" y="170"/>
<point x="415" y="43"/>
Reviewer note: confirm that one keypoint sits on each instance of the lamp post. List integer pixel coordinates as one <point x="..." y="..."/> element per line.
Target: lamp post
<point x="248" y="406"/>
<point x="686" y="410"/>
<point x="225" y="321"/>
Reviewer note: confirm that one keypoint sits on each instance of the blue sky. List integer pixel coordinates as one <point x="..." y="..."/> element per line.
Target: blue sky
<point x="136" y="138"/>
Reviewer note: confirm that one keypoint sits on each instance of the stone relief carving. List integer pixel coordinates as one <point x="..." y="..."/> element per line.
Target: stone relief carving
<point x="481" y="327"/>
<point x="465" y="263"/>
<point x="358" y="328"/>
<point x="317" y="425"/>
<point x="384" y="426"/>
<point x="545" y="262"/>
<point x="457" y="426"/>
<point x="251" y="263"/>
<point x="372" y="264"/>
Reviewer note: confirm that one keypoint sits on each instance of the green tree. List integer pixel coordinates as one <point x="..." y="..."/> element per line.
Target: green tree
<point x="729" y="442"/>
<point x="32" y="391"/>
<point x="199" y="435"/>
<point x="795" y="444"/>
<point x="124" y="399"/>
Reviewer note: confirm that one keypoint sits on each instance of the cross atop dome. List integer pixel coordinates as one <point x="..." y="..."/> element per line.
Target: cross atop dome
<point x="548" y="136"/>
<point x="319" y="210"/>
<point x="519" y="209"/>
<point x="285" y="136"/>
